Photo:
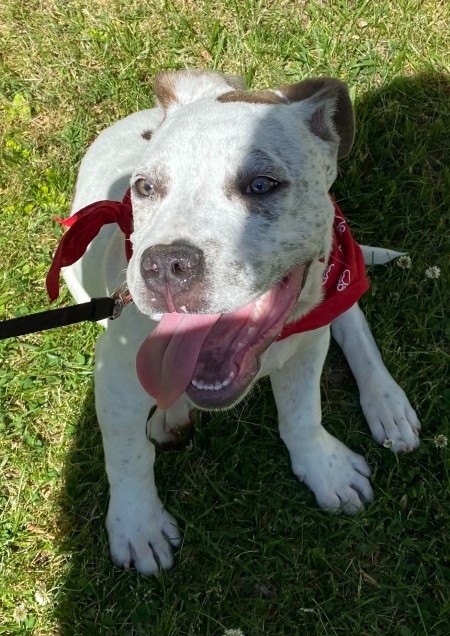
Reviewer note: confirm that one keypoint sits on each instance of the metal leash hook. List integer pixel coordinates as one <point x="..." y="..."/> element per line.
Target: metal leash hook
<point x="122" y="298"/>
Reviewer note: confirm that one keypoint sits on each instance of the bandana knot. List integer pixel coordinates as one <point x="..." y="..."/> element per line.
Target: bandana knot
<point x="83" y="228"/>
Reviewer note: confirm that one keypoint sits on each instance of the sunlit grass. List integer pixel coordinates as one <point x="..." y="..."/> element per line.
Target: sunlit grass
<point x="257" y="554"/>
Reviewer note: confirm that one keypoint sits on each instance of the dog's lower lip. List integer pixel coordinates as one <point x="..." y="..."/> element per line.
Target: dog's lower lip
<point x="210" y="400"/>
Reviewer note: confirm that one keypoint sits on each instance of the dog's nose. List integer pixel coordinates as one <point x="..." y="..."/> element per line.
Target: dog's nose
<point x="172" y="267"/>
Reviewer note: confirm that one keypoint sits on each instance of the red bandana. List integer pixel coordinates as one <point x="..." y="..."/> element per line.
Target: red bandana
<point x="83" y="228"/>
<point x="344" y="280"/>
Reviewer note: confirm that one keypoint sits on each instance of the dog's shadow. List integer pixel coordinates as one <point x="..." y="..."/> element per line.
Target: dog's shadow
<point x="385" y="188"/>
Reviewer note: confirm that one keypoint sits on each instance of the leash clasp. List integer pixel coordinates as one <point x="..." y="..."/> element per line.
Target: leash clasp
<point x="121" y="297"/>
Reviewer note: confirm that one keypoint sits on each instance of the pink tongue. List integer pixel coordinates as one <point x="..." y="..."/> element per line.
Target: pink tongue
<point x="166" y="361"/>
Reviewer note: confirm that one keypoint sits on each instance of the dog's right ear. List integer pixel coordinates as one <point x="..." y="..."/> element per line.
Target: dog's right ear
<point x="330" y="109"/>
<point x="183" y="87"/>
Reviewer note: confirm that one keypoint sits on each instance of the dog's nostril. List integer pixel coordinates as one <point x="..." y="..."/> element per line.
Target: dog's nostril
<point x="177" y="268"/>
<point x="185" y="263"/>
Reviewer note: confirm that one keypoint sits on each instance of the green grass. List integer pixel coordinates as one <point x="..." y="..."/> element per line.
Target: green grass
<point x="256" y="554"/>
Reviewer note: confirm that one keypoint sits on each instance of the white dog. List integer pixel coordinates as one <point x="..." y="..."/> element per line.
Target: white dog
<point x="233" y="239"/>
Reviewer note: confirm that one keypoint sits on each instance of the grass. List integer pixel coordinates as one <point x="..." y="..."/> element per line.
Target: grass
<point x="257" y="555"/>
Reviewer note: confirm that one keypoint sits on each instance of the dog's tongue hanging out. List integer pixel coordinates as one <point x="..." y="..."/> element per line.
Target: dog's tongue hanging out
<point x="213" y="357"/>
<point x="166" y="361"/>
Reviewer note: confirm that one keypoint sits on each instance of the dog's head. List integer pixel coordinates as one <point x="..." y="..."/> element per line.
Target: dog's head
<point x="232" y="223"/>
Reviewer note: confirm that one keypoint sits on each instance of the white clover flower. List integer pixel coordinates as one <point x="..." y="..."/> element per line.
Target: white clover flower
<point x="441" y="441"/>
<point x="20" y="614"/>
<point x="433" y="272"/>
<point x="233" y="632"/>
<point x="404" y="262"/>
<point x="41" y="597"/>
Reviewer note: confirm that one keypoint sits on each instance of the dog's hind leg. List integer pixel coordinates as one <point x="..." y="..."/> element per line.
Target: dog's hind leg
<point x="172" y="428"/>
<point x="392" y="420"/>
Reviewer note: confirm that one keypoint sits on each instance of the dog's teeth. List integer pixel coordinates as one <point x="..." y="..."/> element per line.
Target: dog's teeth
<point x="257" y="308"/>
<point x="199" y="384"/>
<point x="228" y="380"/>
<point x="202" y="386"/>
<point x="156" y="317"/>
<point x="256" y="313"/>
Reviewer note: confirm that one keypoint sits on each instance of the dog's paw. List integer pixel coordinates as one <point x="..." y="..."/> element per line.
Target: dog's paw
<point x="172" y="428"/>
<point x="391" y="418"/>
<point x="141" y="534"/>
<point x="338" y="477"/>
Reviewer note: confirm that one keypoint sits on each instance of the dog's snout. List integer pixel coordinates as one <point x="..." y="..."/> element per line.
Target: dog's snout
<point x="172" y="267"/>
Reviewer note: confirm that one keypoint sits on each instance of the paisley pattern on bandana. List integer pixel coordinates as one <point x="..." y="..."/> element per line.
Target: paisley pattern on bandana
<point x="344" y="280"/>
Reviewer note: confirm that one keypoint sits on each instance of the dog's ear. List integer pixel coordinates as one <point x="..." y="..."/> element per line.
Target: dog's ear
<point x="184" y="87"/>
<point x="330" y="109"/>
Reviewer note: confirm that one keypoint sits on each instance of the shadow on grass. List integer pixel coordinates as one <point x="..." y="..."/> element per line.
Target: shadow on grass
<point x="256" y="553"/>
<point x="81" y="526"/>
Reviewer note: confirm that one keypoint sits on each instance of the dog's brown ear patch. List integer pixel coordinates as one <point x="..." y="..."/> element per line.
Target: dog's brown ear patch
<point x="333" y="105"/>
<point x="165" y="88"/>
<point x="184" y="87"/>
<point x="236" y="82"/>
<point x="256" y="97"/>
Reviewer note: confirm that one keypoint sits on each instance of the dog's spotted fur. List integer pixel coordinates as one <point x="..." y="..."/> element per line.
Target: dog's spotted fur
<point x="199" y="150"/>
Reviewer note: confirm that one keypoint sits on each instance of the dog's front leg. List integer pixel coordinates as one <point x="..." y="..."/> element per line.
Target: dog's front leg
<point x="140" y="531"/>
<point x="390" y="416"/>
<point x="338" y="477"/>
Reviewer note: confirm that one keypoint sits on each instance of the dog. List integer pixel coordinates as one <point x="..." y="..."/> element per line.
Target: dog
<point x="230" y="245"/>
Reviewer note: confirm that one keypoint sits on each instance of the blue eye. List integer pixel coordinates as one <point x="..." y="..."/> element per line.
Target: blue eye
<point x="261" y="185"/>
<point x="144" y="187"/>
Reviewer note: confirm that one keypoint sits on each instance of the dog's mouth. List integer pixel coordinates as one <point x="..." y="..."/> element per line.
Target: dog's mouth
<point x="214" y="357"/>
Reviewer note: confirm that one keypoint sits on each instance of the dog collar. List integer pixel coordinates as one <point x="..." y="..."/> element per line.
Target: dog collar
<point x="344" y="280"/>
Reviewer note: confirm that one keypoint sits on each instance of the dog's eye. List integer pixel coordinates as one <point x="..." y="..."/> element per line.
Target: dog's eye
<point x="261" y="185"/>
<point x="144" y="187"/>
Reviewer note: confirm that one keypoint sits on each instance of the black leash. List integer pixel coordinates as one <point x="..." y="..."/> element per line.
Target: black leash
<point x="96" y="309"/>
